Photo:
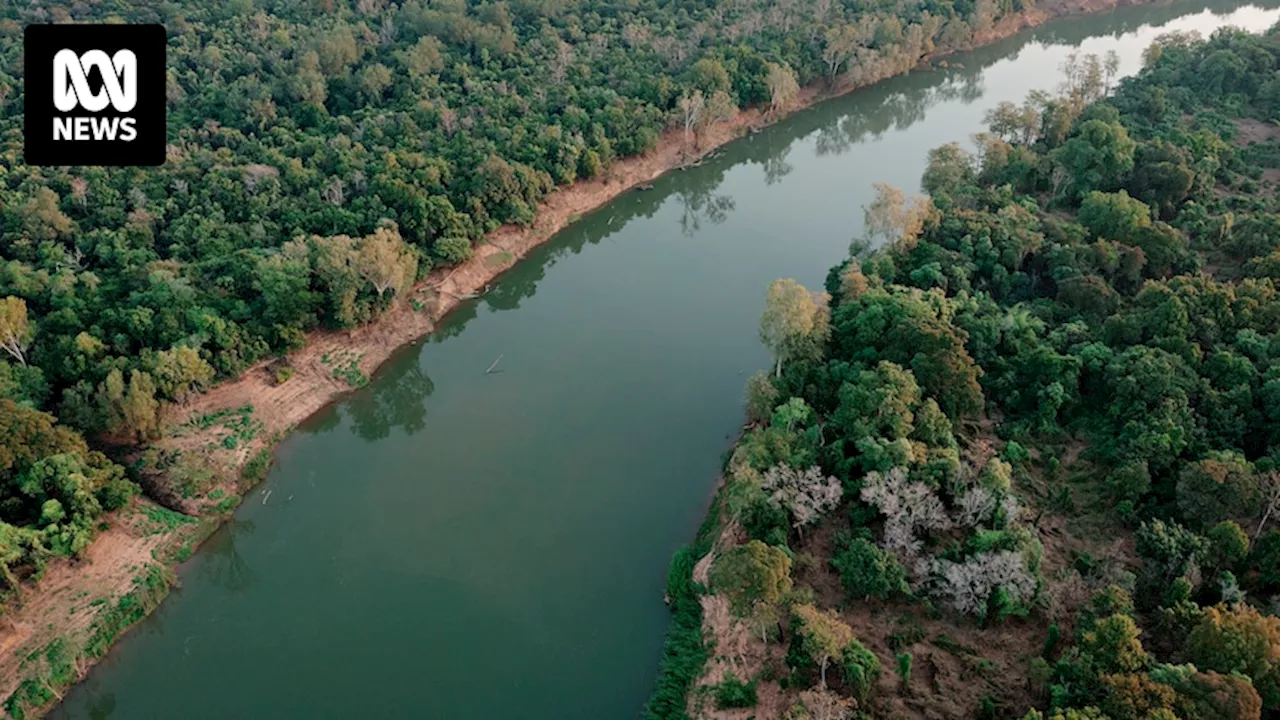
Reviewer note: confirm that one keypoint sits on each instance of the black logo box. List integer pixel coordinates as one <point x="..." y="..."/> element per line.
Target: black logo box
<point x="41" y="43"/>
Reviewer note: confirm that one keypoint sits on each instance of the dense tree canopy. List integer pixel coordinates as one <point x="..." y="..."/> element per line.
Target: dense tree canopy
<point x="1093" y="293"/>
<point x="324" y="155"/>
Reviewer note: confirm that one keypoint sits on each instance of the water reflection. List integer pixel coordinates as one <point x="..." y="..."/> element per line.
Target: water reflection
<point x="101" y="707"/>
<point x="222" y="563"/>
<point x="397" y="401"/>
<point x="696" y="194"/>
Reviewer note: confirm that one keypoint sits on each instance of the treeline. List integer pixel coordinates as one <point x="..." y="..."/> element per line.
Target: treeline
<point x="325" y="155"/>
<point x="1080" y="321"/>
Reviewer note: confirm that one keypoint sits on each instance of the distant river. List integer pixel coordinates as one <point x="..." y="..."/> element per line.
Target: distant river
<point x="450" y="544"/>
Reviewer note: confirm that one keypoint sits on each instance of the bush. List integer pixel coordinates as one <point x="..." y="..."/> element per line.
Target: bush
<point x="281" y="373"/>
<point x="452" y="250"/>
<point x="766" y="522"/>
<point x="860" y="668"/>
<point x="733" y="693"/>
<point x="684" y="653"/>
<point x="904" y="667"/>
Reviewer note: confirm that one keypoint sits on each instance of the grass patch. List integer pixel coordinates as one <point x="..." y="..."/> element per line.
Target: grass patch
<point x="53" y="667"/>
<point x="685" y="652"/>
<point x="237" y="424"/>
<point x="163" y="519"/>
<point x="345" y="365"/>
<point x="498" y="259"/>
<point x="228" y="505"/>
<point x="148" y="590"/>
<point x="255" y="471"/>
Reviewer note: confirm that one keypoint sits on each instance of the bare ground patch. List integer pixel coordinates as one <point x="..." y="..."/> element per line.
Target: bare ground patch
<point x="1250" y="130"/>
<point x="73" y="595"/>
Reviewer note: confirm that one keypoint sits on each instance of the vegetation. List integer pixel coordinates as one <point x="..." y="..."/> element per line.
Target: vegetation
<point x="1075" y="329"/>
<point x="323" y="156"/>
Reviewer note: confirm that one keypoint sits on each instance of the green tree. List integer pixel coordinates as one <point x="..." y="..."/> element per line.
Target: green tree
<point x="950" y="169"/>
<point x="1228" y="545"/>
<point x="751" y="573"/>
<point x="11" y="552"/>
<point x="180" y="372"/>
<point x="822" y="635"/>
<point x="132" y="410"/>
<point x="386" y="262"/>
<point x="1098" y="156"/>
<point x="867" y="571"/>
<point x="1220" y="487"/>
<point x="1113" y="645"/>
<point x="1114" y="216"/>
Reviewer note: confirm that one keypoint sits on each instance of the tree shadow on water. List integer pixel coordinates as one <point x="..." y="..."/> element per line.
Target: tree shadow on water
<point x="221" y="562"/>
<point x="396" y="399"/>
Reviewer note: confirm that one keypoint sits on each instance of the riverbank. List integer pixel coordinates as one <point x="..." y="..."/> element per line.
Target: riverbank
<point x="348" y="360"/>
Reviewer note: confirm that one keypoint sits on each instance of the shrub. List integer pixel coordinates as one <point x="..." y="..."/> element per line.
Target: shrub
<point x="452" y="250"/>
<point x="685" y="652"/>
<point x="733" y="693"/>
<point x="860" y="668"/>
<point x="281" y="373"/>
<point x="904" y="667"/>
<point x="765" y="521"/>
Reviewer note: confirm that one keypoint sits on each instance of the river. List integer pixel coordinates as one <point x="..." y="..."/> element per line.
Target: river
<point x="448" y="543"/>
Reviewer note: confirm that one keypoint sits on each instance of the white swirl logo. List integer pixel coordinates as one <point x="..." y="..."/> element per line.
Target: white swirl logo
<point x="119" y="80"/>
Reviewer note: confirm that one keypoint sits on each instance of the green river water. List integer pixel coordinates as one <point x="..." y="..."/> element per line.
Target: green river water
<point x="450" y="544"/>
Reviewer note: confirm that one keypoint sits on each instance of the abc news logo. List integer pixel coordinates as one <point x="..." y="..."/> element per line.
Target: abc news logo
<point x="95" y="95"/>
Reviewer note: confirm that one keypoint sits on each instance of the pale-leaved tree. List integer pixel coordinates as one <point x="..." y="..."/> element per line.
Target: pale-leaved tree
<point x="909" y="508"/>
<point x="794" y="323"/>
<point x="806" y="494"/>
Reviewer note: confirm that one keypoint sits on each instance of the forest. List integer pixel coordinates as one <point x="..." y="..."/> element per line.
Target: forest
<point x="1020" y="457"/>
<point x="324" y="156"/>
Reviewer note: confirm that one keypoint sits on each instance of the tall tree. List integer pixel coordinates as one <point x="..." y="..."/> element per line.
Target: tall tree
<point x="783" y="87"/>
<point x="15" y="328"/>
<point x="793" y="323"/>
<point x="386" y="262"/>
<point x="823" y="634"/>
